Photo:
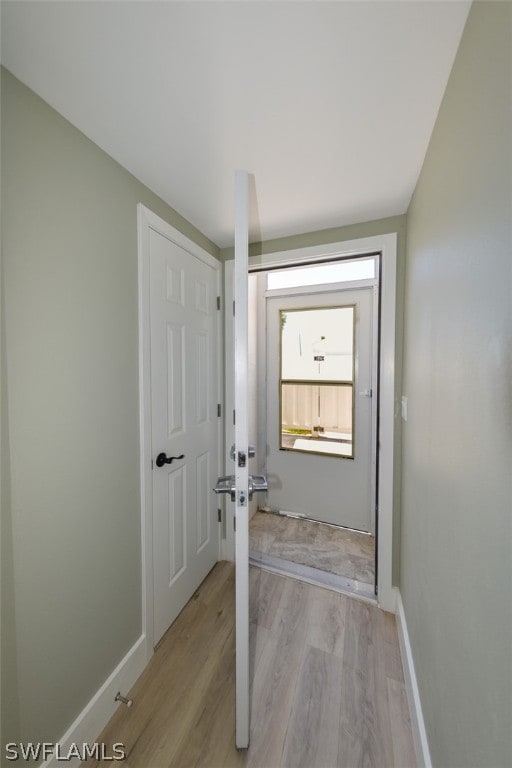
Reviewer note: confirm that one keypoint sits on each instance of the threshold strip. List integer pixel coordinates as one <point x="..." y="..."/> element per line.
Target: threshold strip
<point x="314" y="576"/>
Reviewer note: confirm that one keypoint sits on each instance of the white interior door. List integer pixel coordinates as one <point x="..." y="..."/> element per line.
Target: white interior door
<point x="319" y="406"/>
<point x="241" y="456"/>
<point x="184" y="426"/>
<point x="241" y="485"/>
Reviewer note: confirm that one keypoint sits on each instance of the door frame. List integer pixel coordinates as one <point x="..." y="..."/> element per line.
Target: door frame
<point x="386" y="246"/>
<point x="146" y="221"/>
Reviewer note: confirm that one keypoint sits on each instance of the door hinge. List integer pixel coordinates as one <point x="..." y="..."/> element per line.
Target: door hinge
<point x="233" y="308"/>
<point x="219" y="410"/>
<point x="234" y="523"/>
<point x="219" y="515"/>
<point x="234" y="416"/>
<point x="218" y="302"/>
<point x="152" y="464"/>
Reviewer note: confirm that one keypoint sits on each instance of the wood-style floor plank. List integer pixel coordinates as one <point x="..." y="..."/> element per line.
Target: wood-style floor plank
<point x="266" y="593"/>
<point x="327" y="684"/>
<point x="403" y="747"/>
<point x="276" y="676"/>
<point x="326" y="628"/>
<point x="313" y="731"/>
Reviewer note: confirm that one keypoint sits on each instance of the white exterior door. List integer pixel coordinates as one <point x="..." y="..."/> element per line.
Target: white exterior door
<point x="184" y="422"/>
<point x="319" y="406"/>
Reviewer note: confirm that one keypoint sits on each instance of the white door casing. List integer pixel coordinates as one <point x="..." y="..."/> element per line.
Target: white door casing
<point x="386" y="245"/>
<point x="180" y="386"/>
<point x="324" y="487"/>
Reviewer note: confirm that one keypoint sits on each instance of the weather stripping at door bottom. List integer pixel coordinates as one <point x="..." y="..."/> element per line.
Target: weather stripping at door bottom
<point x="226" y="484"/>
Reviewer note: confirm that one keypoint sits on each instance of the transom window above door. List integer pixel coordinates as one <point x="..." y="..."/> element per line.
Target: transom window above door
<point x="346" y="270"/>
<point x="317" y="380"/>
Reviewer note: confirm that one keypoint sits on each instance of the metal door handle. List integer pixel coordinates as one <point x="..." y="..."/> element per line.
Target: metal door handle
<point x="257" y="484"/>
<point x="162" y="459"/>
<point x="226" y="484"/>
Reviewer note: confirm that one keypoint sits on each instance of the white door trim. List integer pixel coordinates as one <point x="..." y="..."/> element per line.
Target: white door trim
<point x="147" y="220"/>
<point x="386" y="245"/>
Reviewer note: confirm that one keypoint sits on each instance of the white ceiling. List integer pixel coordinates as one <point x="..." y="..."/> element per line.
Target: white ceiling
<point x="329" y="104"/>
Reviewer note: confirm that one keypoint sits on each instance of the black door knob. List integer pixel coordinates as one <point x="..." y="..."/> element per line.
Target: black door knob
<point x="162" y="459"/>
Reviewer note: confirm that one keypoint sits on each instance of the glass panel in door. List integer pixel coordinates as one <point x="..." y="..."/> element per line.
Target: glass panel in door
<point x="317" y="380"/>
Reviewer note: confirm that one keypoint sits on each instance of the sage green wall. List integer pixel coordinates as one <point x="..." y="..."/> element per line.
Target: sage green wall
<point x="353" y="232"/>
<point x="456" y="504"/>
<point x="70" y="279"/>
<point x="9" y="721"/>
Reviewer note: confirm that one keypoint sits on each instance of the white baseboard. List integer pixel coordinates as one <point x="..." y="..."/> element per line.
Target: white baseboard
<point x="95" y="716"/>
<point x="417" y="722"/>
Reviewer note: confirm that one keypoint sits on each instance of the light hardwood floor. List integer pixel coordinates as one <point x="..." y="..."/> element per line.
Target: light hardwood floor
<point x="335" y="550"/>
<point x="328" y="688"/>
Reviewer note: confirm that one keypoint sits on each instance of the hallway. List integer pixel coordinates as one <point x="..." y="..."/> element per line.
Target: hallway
<point x="368" y="128"/>
<point x="329" y="688"/>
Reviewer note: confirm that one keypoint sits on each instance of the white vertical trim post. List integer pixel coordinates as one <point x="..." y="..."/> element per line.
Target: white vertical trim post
<point x="146" y="485"/>
<point x="386" y="591"/>
<point x="241" y="466"/>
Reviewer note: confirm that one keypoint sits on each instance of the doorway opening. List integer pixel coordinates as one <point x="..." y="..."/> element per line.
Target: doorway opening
<point x="314" y="332"/>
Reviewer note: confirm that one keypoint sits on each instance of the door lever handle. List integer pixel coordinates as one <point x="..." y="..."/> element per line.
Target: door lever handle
<point x="162" y="459"/>
<point x="257" y="484"/>
<point x="226" y="484"/>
